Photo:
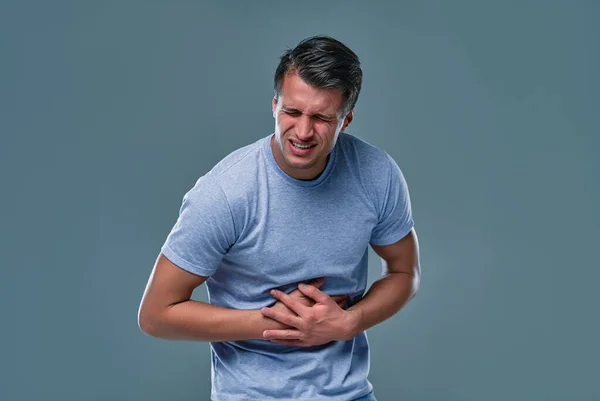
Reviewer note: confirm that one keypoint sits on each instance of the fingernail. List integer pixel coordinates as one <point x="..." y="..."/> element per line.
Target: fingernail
<point x="273" y="292"/>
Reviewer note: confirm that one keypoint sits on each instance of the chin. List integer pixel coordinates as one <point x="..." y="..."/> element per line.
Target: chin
<point x="300" y="165"/>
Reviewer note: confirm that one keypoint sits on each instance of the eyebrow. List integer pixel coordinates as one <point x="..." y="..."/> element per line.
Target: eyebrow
<point x="320" y="115"/>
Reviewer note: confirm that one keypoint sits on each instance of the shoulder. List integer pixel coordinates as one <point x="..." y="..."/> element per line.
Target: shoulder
<point x="373" y="162"/>
<point x="231" y="171"/>
<point x="238" y="175"/>
<point x="363" y="151"/>
<point x="238" y="169"/>
<point x="375" y="169"/>
<point x="227" y="188"/>
<point x="238" y="161"/>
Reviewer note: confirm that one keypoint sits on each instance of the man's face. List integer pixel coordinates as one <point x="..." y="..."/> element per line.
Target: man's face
<point x="307" y="124"/>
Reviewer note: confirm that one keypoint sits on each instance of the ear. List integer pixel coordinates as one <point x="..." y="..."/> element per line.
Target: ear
<point x="274" y="105"/>
<point x="348" y="120"/>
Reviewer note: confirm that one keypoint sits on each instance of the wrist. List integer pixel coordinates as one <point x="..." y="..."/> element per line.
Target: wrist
<point x="353" y="325"/>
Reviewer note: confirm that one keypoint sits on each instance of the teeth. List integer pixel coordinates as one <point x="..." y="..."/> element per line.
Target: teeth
<point x="296" y="145"/>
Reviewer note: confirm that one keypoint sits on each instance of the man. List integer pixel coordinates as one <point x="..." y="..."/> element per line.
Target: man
<point x="300" y="204"/>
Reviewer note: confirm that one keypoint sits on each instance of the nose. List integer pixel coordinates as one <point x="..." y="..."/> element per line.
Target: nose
<point x="304" y="128"/>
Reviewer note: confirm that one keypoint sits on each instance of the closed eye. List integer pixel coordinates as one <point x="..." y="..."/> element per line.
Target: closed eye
<point x="296" y="113"/>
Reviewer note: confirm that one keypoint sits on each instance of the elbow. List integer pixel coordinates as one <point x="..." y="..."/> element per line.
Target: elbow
<point x="416" y="285"/>
<point x="147" y="322"/>
<point x="416" y="280"/>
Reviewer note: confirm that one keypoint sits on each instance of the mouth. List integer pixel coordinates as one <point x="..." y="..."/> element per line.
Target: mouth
<point x="301" y="150"/>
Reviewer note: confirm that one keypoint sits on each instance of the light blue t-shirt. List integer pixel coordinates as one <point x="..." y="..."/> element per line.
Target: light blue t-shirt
<point x="251" y="228"/>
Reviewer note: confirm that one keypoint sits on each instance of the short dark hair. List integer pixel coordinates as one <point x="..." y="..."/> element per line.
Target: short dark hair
<point x="325" y="63"/>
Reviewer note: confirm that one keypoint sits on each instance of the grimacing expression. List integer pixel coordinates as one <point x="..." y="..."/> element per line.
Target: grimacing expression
<point x="307" y="124"/>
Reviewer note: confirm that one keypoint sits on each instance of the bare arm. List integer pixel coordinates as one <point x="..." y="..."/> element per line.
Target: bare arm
<point x="395" y="289"/>
<point x="166" y="310"/>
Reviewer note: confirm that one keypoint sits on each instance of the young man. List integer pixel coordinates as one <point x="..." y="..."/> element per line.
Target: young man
<point x="297" y="205"/>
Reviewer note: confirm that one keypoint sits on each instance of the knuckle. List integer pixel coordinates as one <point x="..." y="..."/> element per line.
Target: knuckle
<point x="311" y="318"/>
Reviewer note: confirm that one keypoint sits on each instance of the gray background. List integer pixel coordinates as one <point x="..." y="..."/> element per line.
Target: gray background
<point x="111" y="110"/>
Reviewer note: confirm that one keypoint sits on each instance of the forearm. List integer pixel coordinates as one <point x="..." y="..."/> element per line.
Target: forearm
<point x="199" y="321"/>
<point x="383" y="300"/>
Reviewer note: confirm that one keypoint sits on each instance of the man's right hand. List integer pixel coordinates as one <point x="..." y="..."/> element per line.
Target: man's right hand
<point x="281" y="307"/>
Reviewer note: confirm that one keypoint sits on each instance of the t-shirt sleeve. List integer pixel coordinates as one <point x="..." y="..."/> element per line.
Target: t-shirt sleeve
<point x="395" y="212"/>
<point x="204" y="230"/>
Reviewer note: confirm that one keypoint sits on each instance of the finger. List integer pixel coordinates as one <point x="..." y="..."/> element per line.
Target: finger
<point x="289" y="301"/>
<point x="317" y="282"/>
<point x="293" y="321"/>
<point x="281" y="334"/>
<point x="315" y="294"/>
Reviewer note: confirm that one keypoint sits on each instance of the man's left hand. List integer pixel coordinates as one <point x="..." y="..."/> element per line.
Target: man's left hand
<point x="321" y="323"/>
